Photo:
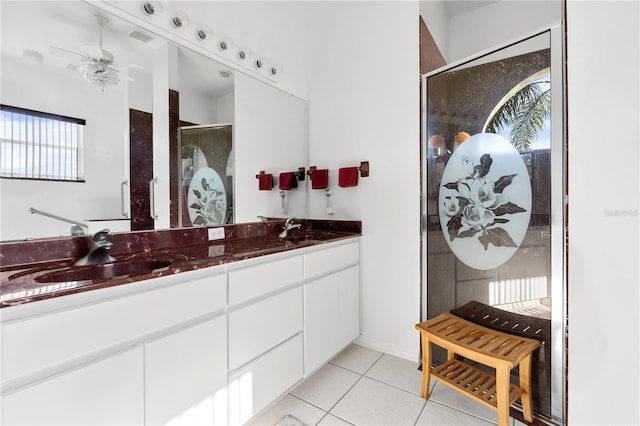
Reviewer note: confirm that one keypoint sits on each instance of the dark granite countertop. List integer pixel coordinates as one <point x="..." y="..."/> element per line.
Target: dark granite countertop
<point x="43" y="269"/>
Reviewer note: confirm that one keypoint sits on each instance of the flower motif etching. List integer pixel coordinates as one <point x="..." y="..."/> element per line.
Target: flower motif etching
<point x="207" y="199"/>
<point x="475" y="204"/>
<point x="208" y="206"/>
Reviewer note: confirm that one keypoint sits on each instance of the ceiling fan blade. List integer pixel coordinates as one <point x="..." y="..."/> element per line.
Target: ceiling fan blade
<point x="121" y="67"/>
<point x="64" y="53"/>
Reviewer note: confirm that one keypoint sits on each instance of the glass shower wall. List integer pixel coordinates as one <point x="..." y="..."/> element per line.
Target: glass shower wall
<point x="487" y="193"/>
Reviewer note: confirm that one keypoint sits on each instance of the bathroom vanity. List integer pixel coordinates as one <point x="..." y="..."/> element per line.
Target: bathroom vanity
<point x="210" y="339"/>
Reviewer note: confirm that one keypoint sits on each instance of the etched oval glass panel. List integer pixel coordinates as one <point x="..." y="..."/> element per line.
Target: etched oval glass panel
<point x="485" y="201"/>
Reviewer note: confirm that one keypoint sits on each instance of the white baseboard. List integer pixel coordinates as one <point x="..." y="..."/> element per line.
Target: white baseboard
<point x="409" y="353"/>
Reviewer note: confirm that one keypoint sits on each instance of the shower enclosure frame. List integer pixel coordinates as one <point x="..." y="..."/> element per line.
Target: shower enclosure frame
<point x="558" y="216"/>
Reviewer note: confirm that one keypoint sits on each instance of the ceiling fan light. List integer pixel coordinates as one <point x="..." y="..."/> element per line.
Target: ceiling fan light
<point x="99" y="74"/>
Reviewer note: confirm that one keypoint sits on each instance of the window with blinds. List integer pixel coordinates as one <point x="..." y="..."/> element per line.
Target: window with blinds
<point x="38" y="145"/>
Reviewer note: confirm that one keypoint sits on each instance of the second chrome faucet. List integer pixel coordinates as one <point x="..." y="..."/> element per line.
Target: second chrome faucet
<point x="288" y="226"/>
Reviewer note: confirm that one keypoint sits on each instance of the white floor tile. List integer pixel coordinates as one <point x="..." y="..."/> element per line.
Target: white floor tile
<point x="397" y="372"/>
<point x="356" y="358"/>
<point x="326" y="386"/>
<point x="373" y="403"/>
<point x="452" y="398"/>
<point x="331" y="420"/>
<point x="289" y="405"/>
<point x="437" y="414"/>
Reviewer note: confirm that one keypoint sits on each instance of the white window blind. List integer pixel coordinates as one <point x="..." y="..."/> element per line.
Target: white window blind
<point x="38" y="145"/>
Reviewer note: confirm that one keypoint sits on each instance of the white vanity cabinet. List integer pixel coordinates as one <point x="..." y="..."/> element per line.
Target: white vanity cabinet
<point x="108" y="391"/>
<point x="211" y="346"/>
<point x="101" y="357"/>
<point x="331" y="302"/>
<point x="265" y="334"/>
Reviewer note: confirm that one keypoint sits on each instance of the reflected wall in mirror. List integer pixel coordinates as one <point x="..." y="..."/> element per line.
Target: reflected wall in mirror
<point x="269" y="125"/>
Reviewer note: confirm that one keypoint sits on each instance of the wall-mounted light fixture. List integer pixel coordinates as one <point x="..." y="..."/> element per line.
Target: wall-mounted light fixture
<point x="224" y="44"/>
<point x="275" y="70"/>
<point x="204" y="33"/>
<point x="260" y="63"/>
<point x="243" y="54"/>
<point x="151" y="7"/>
<point x="179" y="20"/>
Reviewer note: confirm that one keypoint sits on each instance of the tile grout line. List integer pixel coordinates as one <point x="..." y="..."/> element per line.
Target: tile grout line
<point x="350" y="388"/>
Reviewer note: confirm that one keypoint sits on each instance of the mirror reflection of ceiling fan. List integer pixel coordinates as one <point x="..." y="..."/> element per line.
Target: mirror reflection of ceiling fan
<point x="96" y="65"/>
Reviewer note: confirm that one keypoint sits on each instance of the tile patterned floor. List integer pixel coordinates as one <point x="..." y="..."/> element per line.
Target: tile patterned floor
<point x="365" y="387"/>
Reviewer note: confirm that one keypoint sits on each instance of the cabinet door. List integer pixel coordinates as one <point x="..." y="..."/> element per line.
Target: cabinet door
<point x="332" y="316"/>
<point x="107" y="392"/>
<point x="186" y="376"/>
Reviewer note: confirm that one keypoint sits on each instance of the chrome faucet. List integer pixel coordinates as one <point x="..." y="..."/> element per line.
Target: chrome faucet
<point x="288" y="226"/>
<point x="99" y="250"/>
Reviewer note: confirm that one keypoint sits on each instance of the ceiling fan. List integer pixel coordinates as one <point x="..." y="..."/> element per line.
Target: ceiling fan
<point x="96" y="65"/>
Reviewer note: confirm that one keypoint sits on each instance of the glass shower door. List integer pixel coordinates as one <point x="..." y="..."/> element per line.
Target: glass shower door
<point x="492" y="161"/>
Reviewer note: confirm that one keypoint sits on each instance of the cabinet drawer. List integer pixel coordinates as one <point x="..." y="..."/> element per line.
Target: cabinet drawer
<point x="254" y="281"/>
<point x="258" y="384"/>
<point x="35" y="343"/>
<point x="331" y="259"/>
<point x="108" y="392"/>
<point x="257" y="328"/>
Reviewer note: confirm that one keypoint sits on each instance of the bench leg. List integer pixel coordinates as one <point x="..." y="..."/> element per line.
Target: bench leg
<point x="426" y="365"/>
<point x="502" y="394"/>
<point x="525" y="385"/>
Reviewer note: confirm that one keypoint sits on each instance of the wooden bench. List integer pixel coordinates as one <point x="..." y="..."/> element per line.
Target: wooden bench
<point x="500" y="351"/>
<point x="520" y="325"/>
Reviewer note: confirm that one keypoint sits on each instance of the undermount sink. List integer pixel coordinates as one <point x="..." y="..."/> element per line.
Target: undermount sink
<point x="105" y="271"/>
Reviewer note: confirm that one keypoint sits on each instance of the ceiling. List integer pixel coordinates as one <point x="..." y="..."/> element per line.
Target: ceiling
<point x="458" y="7"/>
<point x="72" y="26"/>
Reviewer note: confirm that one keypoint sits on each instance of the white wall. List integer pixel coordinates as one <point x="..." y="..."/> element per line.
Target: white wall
<point x="269" y="135"/>
<point x="604" y="129"/>
<point x="498" y="23"/>
<point x="363" y="105"/>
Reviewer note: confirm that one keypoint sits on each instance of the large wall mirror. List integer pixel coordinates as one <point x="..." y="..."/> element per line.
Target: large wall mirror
<point x="132" y="168"/>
